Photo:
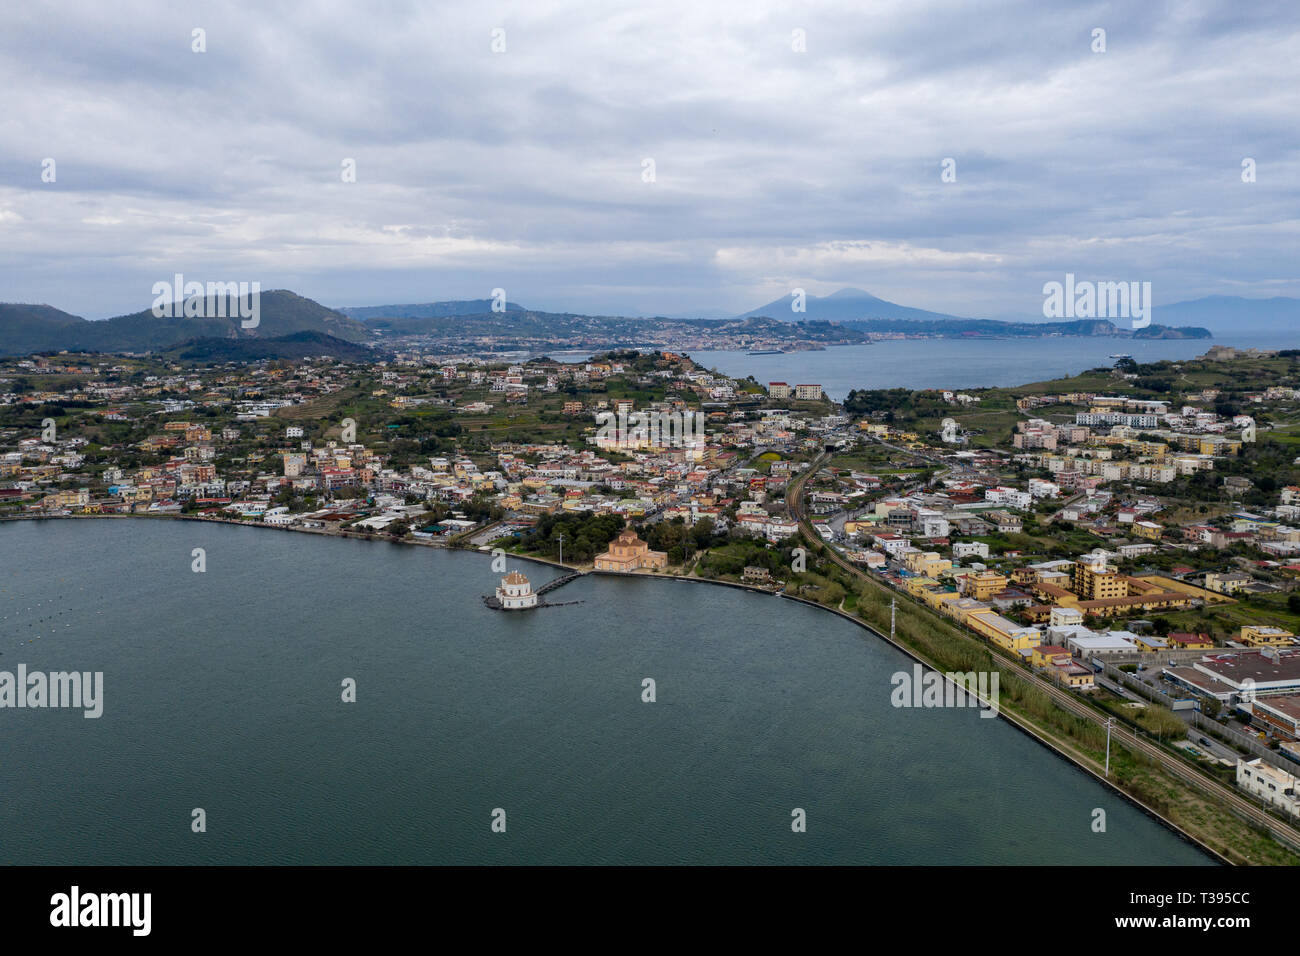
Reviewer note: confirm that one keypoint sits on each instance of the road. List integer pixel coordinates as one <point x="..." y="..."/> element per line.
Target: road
<point x="1068" y="702"/>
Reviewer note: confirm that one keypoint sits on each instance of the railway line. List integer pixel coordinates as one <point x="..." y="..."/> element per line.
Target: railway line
<point x="1173" y="765"/>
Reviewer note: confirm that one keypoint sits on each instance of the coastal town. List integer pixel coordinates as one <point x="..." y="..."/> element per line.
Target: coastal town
<point x="1140" y="554"/>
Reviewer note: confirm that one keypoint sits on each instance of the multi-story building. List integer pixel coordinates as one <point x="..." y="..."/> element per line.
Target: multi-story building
<point x="927" y="563"/>
<point x="1065" y="617"/>
<point x="1227" y="582"/>
<point x="1005" y="633"/>
<point x="1265" y="635"/>
<point x="981" y="585"/>
<point x="1275" y="787"/>
<point x="1097" y="583"/>
<point x="963" y="549"/>
<point x="1094" y="418"/>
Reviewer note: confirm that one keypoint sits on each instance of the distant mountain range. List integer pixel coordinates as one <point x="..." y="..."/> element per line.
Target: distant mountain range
<point x="855" y="313"/>
<point x="1211" y="314"/>
<point x="427" y="310"/>
<point x="42" y="328"/>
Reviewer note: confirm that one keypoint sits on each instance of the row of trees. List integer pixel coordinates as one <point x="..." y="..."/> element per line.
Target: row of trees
<point x="585" y="536"/>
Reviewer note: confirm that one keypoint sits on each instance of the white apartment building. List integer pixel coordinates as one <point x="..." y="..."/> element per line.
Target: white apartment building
<point x="932" y="524"/>
<point x="1065" y="617"/>
<point x="1008" y="496"/>
<point x="1275" y="787"/>
<point x="1038" y="488"/>
<point x="964" y="549"/>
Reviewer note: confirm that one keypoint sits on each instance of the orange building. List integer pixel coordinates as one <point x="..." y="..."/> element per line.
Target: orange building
<point x="628" y="552"/>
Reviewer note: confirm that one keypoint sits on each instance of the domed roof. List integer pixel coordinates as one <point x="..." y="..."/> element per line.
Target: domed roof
<point x="514" y="577"/>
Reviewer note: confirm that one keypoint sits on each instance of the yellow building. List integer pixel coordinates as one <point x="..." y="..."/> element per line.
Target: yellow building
<point x="956" y="606"/>
<point x="68" y="498"/>
<point x="1265" y="635"/>
<point x="1098" y="583"/>
<point x="1047" y="654"/>
<point x="934" y="598"/>
<point x="628" y="552"/>
<point x="1227" y="582"/>
<point x="1075" y="675"/>
<point x="1217" y="445"/>
<point x="927" y="563"/>
<point x="1151" y="449"/>
<point x="918" y="586"/>
<point x="982" y="585"/>
<point x="1004" y="633"/>
<point x="1190" y="641"/>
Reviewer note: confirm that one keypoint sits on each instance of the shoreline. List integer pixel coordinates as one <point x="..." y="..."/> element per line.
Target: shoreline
<point x="1014" y="721"/>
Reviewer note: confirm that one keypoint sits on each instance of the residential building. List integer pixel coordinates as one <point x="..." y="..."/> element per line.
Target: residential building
<point x="981" y="585"/>
<point x="1226" y="582"/>
<point x="1265" y="635"/>
<point x="1097" y="582"/>
<point x="1273" y="786"/>
<point x="808" y="393"/>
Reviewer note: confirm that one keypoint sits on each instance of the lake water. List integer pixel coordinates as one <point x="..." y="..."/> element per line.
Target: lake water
<point x="223" y="692"/>
<point x="960" y="363"/>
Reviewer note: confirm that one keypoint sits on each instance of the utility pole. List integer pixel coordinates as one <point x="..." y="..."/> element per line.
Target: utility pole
<point x="561" y="549"/>
<point x="1109" y="722"/>
<point x="892" y="604"/>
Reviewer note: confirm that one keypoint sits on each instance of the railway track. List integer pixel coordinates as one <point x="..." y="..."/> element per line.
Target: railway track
<point x="1230" y="798"/>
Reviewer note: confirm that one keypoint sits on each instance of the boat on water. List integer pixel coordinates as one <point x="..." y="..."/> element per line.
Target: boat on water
<point x="767" y="352"/>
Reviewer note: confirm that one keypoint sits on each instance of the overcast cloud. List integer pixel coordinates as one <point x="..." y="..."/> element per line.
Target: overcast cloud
<point x="523" y="169"/>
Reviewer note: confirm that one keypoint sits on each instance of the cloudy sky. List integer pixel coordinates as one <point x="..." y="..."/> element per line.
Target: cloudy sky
<point x="525" y="168"/>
